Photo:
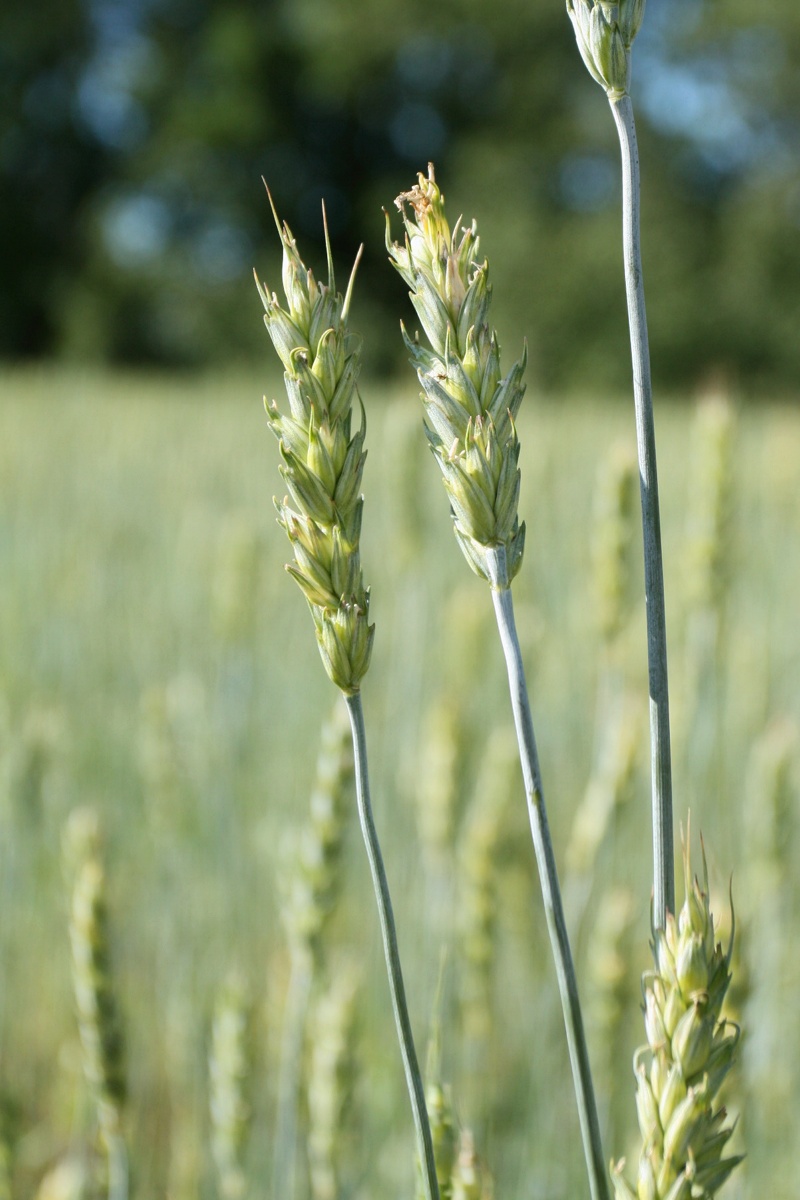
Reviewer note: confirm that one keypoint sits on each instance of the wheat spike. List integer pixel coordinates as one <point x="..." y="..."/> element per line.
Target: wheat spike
<point x="230" y="1069"/>
<point x="690" y="1050"/>
<point x="331" y="1080"/>
<point x="469" y="407"/>
<point x="322" y="460"/>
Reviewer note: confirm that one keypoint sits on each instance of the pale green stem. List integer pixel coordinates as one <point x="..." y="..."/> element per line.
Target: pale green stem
<point x="661" y="766"/>
<point x="548" y="875"/>
<point x="294" y="1024"/>
<point x="416" y="1090"/>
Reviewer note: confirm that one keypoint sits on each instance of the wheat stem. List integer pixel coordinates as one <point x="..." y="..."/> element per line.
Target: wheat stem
<point x="551" y="893"/>
<point x="389" y="934"/>
<point x="661" y="766"/>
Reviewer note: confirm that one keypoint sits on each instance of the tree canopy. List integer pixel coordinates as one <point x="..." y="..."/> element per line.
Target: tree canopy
<point x="134" y="134"/>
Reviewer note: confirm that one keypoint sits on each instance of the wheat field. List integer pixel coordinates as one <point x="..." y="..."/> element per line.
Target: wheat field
<point x="158" y="667"/>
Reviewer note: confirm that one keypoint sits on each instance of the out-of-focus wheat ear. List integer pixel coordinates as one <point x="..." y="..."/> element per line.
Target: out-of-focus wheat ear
<point x="773" y="783"/>
<point x="313" y="880"/>
<point x="437" y="786"/>
<point x="710" y="506"/>
<point x="612" y="540"/>
<point x="312" y="887"/>
<point x="237" y="573"/>
<point x="609" y="982"/>
<point x="99" y="1020"/>
<point x="477" y="909"/>
<point x="471" y="1180"/>
<point x="770" y="949"/>
<point x="439" y="1103"/>
<point x="69" y="1179"/>
<point x="331" y="1084"/>
<point x="608" y="790"/>
<point x="230" y="1073"/>
<point x="707" y="571"/>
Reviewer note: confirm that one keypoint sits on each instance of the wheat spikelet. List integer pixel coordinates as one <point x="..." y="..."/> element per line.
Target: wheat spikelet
<point x="689" y="1052"/>
<point x="322" y="461"/>
<point x="331" y="1078"/>
<point x="469" y="407"/>
<point x="230" y="1069"/>
<point x="99" y="1021"/>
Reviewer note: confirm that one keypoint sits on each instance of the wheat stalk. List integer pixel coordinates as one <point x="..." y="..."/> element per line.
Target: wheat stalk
<point x="99" y="1020"/>
<point x="605" y="32"/>
<point x="469" y="419"/>
<point x="322" y="466"/>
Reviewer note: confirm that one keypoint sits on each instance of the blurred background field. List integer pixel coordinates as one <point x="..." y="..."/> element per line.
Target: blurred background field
<point x="157" y="665"/>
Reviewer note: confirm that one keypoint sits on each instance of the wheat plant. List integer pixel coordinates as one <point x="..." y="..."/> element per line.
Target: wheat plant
<point x="470" y="410"/>
<point x="322" y="466"/>
<point x="689" y="1052"/>
<point x="605" y="32"/>
<point x="99" y="1019"/>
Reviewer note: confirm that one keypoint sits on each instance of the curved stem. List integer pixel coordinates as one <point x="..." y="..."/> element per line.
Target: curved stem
<point x="416" y="1091"/>
<point x="661" y="766"/>
<point x="551" y="894"/>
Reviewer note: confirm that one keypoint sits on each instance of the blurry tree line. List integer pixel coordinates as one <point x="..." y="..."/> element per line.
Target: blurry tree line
<point x="134" y="134"/>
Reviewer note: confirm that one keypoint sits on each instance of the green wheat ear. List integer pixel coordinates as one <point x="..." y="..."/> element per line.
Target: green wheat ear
<point x="99" y="1020"/>
<point x="230" y="1069"/>
<point x="690" y="1050"/>
<point x="470" y="407"/>
<point x="322" y="460"/>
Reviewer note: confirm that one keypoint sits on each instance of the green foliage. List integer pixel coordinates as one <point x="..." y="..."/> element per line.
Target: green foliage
<point x="131" y="152"/>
